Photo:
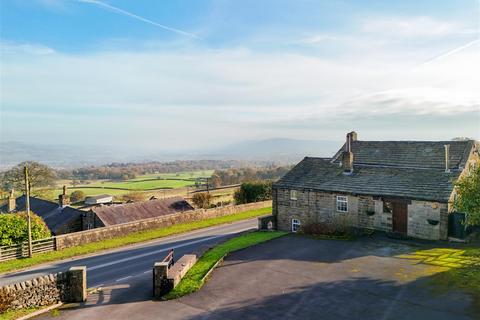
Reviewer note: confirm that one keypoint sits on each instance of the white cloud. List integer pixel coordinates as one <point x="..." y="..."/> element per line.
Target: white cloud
<point x="413" y="27"/>
<point x="14" y="49"/>
<point x="239" y="92"/>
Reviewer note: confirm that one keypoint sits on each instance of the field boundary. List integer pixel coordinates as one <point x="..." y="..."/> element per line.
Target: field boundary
<point x="94" y="240"/>
<point x="104" y="233"/>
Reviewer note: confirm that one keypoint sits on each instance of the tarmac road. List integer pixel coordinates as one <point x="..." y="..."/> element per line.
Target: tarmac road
<point x="134" y="262"/>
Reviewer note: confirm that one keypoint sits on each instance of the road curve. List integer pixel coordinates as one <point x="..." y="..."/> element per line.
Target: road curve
<point x="122" y="265"/>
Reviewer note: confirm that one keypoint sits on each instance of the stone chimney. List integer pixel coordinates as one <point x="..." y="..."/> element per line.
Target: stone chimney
<point x="353" y="136"/>
<point x="12" y="205"/>
<point x="347" y="155"/>
<point x="64" y="199"/>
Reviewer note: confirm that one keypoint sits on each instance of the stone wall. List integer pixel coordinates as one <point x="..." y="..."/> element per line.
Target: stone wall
<point x="382" y="220"/>
<point x="312" y="207"/>
<point x="73" y="225"/>
<point x="91" y="221"/>
<point x="363" y="212"/>
<point x="46" y="290"/>
<point x="83" y="237"/>
<point x="419" y="214"/>
<point x="42" y="291"/>
<point x="166" y="278"/>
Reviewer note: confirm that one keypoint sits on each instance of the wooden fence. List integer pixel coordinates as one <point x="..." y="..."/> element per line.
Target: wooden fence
<point x="21" y="250"/>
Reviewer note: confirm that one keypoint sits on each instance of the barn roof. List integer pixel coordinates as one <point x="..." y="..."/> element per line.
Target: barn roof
<point x="129" y="212"/>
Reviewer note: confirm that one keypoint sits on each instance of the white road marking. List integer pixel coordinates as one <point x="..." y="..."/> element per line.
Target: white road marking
<point x="147" y="271"/>
<point x="103" y="265"/>
<point x="122" y="279"/>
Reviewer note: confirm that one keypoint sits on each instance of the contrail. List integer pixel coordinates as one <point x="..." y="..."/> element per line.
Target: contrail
<point x="450" y="52"/>
<point x="129" y="14"/>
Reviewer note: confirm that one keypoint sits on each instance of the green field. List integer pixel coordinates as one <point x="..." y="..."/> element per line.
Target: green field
<point x="143" y="185"/>
<point x="154" y="181"/>
<point x="177" y="175"/>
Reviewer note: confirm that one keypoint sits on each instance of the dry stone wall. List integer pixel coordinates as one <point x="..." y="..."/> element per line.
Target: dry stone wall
<point x="46" y="290"/>
<point x="42" y="291"/>
<point x="99" y="234"/>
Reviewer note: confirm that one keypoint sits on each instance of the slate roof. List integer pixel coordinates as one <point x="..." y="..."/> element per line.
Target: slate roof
<point x="54" y="216"/>
<point x="418" y="154"/>
<point x="407" y="169"/>
<point x="123" y="213"/>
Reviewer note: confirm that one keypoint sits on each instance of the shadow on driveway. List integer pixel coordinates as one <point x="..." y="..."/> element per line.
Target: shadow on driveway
<point x="296" y="277"/>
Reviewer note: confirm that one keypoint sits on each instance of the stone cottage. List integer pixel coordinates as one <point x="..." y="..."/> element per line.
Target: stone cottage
<point x="405" y="187"/>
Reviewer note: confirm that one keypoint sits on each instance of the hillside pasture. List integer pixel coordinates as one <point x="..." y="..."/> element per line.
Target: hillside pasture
<point x="155" y="184"/>
<point x="143" y="185"/>
<point x="190" y="175"/>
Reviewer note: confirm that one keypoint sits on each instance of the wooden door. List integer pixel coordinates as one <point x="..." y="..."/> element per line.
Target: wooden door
<point x="400" y="217"/>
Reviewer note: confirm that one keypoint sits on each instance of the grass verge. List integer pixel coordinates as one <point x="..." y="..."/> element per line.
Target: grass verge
<point x="128" y="239"/>
<point x="193" y="280"/>
<point x="15" y="314"/>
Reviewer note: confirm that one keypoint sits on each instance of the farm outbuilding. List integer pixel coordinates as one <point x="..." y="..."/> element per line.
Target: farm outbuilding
<point x="100" y="199"/>
<point x="104" y="216"/>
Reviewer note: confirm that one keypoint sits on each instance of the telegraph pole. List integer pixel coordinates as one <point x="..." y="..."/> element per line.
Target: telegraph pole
<point x="27" y="207"/>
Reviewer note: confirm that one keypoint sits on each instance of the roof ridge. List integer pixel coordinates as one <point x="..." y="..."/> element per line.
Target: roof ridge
<point x="418" y="141"/>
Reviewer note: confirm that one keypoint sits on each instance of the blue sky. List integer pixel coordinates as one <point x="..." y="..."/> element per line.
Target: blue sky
<point x="166" y="75"/>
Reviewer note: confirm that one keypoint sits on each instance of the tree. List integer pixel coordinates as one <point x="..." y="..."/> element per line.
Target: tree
<point x="468" y="196"/>
<point x="253" y="192"/>
<point x="39" y="174"/>
<point x="13" y="228"/>
<point x="202" y="199"/>
<point x="215" y="181"/>
<point x="77" y="196"/>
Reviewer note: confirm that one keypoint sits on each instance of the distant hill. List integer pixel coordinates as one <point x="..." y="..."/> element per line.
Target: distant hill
<point x="12" y="153"/>
<point x="278" y="149"/>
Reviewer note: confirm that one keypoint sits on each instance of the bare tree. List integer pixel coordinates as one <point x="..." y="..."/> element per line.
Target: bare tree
<point x="39" y="174"/>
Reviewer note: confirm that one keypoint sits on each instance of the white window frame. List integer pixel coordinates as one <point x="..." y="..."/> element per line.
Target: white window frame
<point x="293" y="194"/>
<point x="341" y="203"/>
<point x="296" y="224"/>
